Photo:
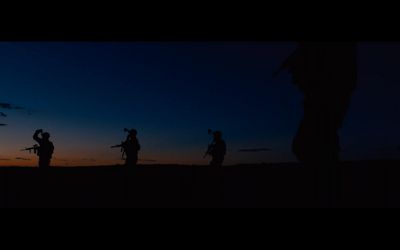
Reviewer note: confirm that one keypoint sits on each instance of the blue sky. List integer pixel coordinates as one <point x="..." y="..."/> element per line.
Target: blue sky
<point x="84" y="94"/>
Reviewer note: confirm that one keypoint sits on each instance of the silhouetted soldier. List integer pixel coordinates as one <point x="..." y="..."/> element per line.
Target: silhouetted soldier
<point x="46" y="148"/>
<point x="131" y="147"/>
<point x="217" y="149"/>
<point x="326" y="74"/>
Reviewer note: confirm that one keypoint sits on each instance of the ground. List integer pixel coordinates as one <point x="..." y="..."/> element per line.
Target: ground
<point x="350" y="184"/>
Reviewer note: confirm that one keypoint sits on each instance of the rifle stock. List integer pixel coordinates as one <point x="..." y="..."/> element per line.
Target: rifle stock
<point x="209" y="149"/>
<point x="34" y="148"/>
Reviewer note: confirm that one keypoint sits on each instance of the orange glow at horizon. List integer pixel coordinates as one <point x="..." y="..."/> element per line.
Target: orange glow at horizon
<point x="77" y="160"/>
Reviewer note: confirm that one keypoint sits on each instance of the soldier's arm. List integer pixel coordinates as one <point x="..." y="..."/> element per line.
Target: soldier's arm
<point x="36" y="137"/>
<point x="291" y="60"/>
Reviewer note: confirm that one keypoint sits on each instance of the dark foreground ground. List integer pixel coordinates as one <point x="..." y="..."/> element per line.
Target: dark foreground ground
<point x="357" y="184"/>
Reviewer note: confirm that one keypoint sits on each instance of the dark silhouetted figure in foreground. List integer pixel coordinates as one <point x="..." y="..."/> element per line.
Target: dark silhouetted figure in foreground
<point x="130" y="148"/>
<point x="45" y="149"/>
<point x="326" y="74"/>
<point x="217" y="149"/>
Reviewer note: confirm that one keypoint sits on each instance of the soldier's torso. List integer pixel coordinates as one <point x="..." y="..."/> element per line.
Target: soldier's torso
<point x="46" y="149"/>
<point x="131" y="148"/>
<point x="218" y="149"/>
<point x="319" y="67"/>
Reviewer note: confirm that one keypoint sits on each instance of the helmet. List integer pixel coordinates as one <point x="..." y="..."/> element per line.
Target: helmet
<point x="217" y="134"/>
<point x="133" y="132"/>
<point x="46" y="135"/>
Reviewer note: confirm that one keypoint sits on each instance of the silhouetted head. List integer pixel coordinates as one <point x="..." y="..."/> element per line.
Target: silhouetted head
<point x="46" y="136"/>
<point x="217" y="135"/>
<point x="132" y="133"/>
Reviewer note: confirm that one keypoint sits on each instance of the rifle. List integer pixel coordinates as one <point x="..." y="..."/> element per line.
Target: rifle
<point x="117" y="146"/>
<point x="209" y="150"/>
<point x="210" y="146"/>
<point x="122" y="143"/>
<point x="122" y="150"/>
<point x="35" y="149"/>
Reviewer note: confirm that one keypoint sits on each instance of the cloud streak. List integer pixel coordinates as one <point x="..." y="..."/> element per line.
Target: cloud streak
<point x="9" y="106"/>
<point x="254" y="150"/>
<point x="147" y="160"/>
<point x="22" y="159"/>
<point x="90" y="160"/>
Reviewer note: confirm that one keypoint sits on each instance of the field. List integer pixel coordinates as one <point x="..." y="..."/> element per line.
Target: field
<point x="350" y="184"/>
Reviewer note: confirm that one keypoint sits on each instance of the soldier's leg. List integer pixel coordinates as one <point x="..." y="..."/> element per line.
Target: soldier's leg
<point x="332" y="122"/>
<point x="306" y="144"/>
<point x="217" y="162"/>
<point x="318" y="144"/>
<point x="44" y="163"/>
<point x="131" y="161"/>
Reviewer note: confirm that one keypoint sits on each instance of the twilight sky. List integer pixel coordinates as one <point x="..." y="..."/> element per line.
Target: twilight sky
<point x="84" y="94"/>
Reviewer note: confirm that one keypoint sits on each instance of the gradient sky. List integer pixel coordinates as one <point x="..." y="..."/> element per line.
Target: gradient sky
<point x="84" y="94"/>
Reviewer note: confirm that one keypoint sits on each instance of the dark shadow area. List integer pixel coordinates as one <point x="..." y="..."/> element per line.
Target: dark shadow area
<point x="362" y="184"/>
